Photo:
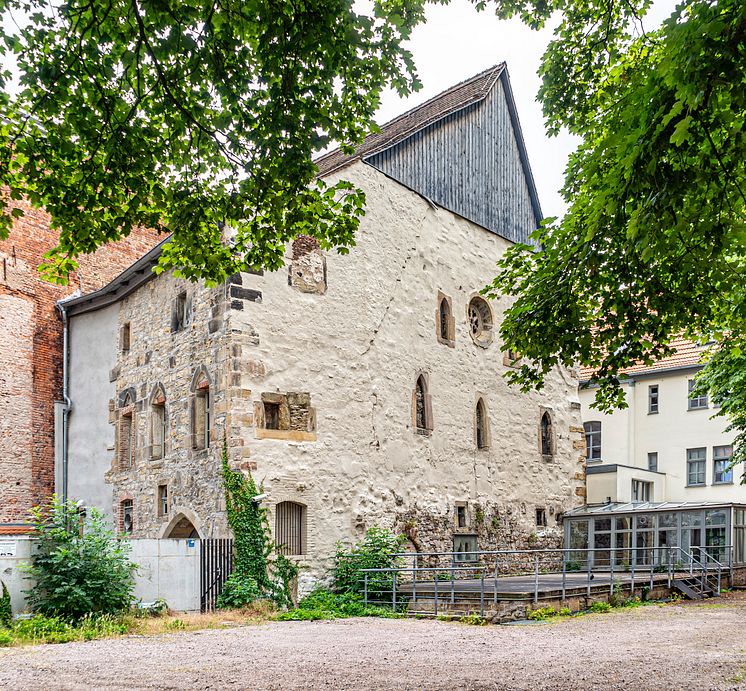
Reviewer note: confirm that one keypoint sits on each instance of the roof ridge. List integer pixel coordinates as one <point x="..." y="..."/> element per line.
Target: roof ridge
<point x="389" y="134"/>
<point x="495" y="68"/>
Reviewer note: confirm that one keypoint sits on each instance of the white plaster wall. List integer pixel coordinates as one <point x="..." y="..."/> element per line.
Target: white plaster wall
<point x="670" y="432"/>
<point x="168" y="569"/>
<point x="94" y="340"/>
<point x="358" y="350"/>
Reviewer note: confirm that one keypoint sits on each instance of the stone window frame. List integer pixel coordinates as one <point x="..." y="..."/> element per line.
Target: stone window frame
<point x="126" y="501"/>
<point x="541" y="517"/>
<point x="445" y="321"/>
<point x="302" y="246"/>
<point x="302" y="527"/>
<point x="480" y="320"/>
<point x="201" y="409"/>
<point x="286" y="429"/>
<point x="484" y="443"/>
<point x="158" y="423"/>
<point x="511" y="358"/>
<point x="125" y="337"/>
<point x="125" y="455"/>
<point x="461" y="508"/>
<point x="424" y="413"/>
<point x="181" y="311"/>
<point x="547" y="436"/>
<point x="163" y="500"/>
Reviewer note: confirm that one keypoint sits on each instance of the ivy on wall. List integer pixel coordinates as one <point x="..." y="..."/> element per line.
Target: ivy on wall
<point x="260" y="570"/>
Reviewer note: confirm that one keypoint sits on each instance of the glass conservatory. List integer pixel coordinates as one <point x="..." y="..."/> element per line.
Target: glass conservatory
<point x="651" y="534"/>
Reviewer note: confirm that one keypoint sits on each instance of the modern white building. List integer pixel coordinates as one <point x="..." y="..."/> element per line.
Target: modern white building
<point x="667" y="446"/>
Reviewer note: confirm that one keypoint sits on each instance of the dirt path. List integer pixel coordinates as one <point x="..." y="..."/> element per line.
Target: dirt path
<point x="685" y="646"/>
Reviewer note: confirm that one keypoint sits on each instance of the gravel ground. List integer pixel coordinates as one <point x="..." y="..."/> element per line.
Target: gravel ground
<point x="684" y="646"/>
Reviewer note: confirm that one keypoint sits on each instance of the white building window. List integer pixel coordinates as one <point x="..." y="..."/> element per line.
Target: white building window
<point x="653" y="461"/>
<point x="695" y="466"/>
<point x="696" y="402"/>
<point x="722" y="472"/>
<point x="653" y="399"/>
<point x="592" y="440"/>
<point x="641" y="490"/>
<point x="465" y="548"/>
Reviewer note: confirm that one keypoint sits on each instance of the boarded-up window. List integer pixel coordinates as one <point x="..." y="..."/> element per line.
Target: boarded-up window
<point x="201" y="415"/>
<point x="290" y="527"/>
<point x="445" y="321"/>
<point x="126" y="336"/>
<point x="181" y="312"/>
<point x="272" y="415"/>
<point x="125" y="441"/>
<point x="158" y="426"/>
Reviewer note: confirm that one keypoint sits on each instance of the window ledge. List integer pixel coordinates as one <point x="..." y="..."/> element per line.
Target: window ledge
<point x="652" y="412"/>
<point x="594" y="461"/>
<point x="724" y="482"/>
<point x="423" y="432"/>
<point x="547" y="457"/>
<point x="704" y="407"/>
<point x="702" y="484"/>
<point x="285" y="434"/>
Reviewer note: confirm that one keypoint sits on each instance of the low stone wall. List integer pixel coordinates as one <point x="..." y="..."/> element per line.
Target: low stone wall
<point x="167" y="569"/>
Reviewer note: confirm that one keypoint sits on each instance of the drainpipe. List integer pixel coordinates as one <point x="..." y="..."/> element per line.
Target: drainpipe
<point x="65" y="396"/>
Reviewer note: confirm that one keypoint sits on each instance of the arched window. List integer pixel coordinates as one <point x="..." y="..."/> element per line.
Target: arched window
<point x="481" y="424"/>
<point x="290" y="527"/>
<point x="126" y="433"/>
<point x="158" y="432"/>
<point x="592" y="440"/>
<point x="545" y="432"/>
<point x="201" y="404"/>
<point x="423" y="413"/>
<point x="444" y="321"/>
<point x="445" y="313"/>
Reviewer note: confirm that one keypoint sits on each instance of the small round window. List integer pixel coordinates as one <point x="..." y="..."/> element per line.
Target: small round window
<point x="480" y="321"/>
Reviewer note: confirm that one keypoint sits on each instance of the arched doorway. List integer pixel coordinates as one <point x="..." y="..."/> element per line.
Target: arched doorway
<point x="180" y="526"/>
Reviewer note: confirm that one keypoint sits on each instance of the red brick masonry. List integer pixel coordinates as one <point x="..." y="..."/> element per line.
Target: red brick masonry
<point x="31" y="352"/>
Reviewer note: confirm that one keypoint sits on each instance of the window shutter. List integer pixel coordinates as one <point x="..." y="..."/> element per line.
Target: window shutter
<point x="451" y="328"/>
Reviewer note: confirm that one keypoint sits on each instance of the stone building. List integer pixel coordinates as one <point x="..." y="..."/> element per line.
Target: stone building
<point x="31" y="355"/>
<point x="360" y="389"/>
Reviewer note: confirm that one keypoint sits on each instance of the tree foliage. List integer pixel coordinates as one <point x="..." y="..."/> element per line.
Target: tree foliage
<point x="77" y="568"/>
<point x="197" y="117"/>
<point x="654" y="243"/>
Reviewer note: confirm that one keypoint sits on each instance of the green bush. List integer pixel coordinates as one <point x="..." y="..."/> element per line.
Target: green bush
<point x="43" y="629"/>
<point x="542" y="613"/>
<point x="565" y="612"/>
<point x="238" y="591"/>
<point x="375" y="551"/>
<point x="6" y="638"/>
<point x="76" y="574"/>
<point x="324" y="604"/>
<point x="600" y="607"/>
<point x="6" y="613"/>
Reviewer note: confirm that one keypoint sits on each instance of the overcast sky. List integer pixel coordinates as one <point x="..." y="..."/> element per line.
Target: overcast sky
<point x="457" y="42"/>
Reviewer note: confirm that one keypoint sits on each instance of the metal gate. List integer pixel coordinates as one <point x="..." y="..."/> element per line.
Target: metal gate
<point x="216" y="564"/>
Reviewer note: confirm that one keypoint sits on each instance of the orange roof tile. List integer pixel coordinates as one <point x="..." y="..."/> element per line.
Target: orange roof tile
<point x="16" y="529"/>
<point x="687" y="354"/>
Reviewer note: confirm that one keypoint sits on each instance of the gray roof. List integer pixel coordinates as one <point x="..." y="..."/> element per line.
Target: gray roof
<point x="122" y="285"/>
<point x="456" y="98"/>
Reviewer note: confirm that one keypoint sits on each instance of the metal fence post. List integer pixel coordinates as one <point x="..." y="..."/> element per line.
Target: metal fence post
<point x="536" y="578"/>
<point x="414" y="580"/>
<point x="481" y="595"/>
<point x="394" y="591"/>
<point x="611" y="577"/>
<point x="588" y="575"/>
<point x="435" y="583"/>
<point x="365" y="588"/>
<point x="633" y="559"/>
<point x="564" y="576"/>
<point x="495" y="589"/>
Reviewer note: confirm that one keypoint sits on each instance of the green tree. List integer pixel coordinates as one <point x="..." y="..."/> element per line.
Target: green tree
<point x="77" y="568"/>
<point x="653" y="245"/>
<point x="196" y="116"/>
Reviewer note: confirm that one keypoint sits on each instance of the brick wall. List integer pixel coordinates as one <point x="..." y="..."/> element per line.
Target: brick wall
<point x="31" y="352"/>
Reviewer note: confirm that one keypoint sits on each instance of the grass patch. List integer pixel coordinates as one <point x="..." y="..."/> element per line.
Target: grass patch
<point x="323" y="604"/>
<point x="41" y="629"/>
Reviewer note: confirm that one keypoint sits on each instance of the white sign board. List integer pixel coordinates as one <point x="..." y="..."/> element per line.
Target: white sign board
<point x="8" y="548"/>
